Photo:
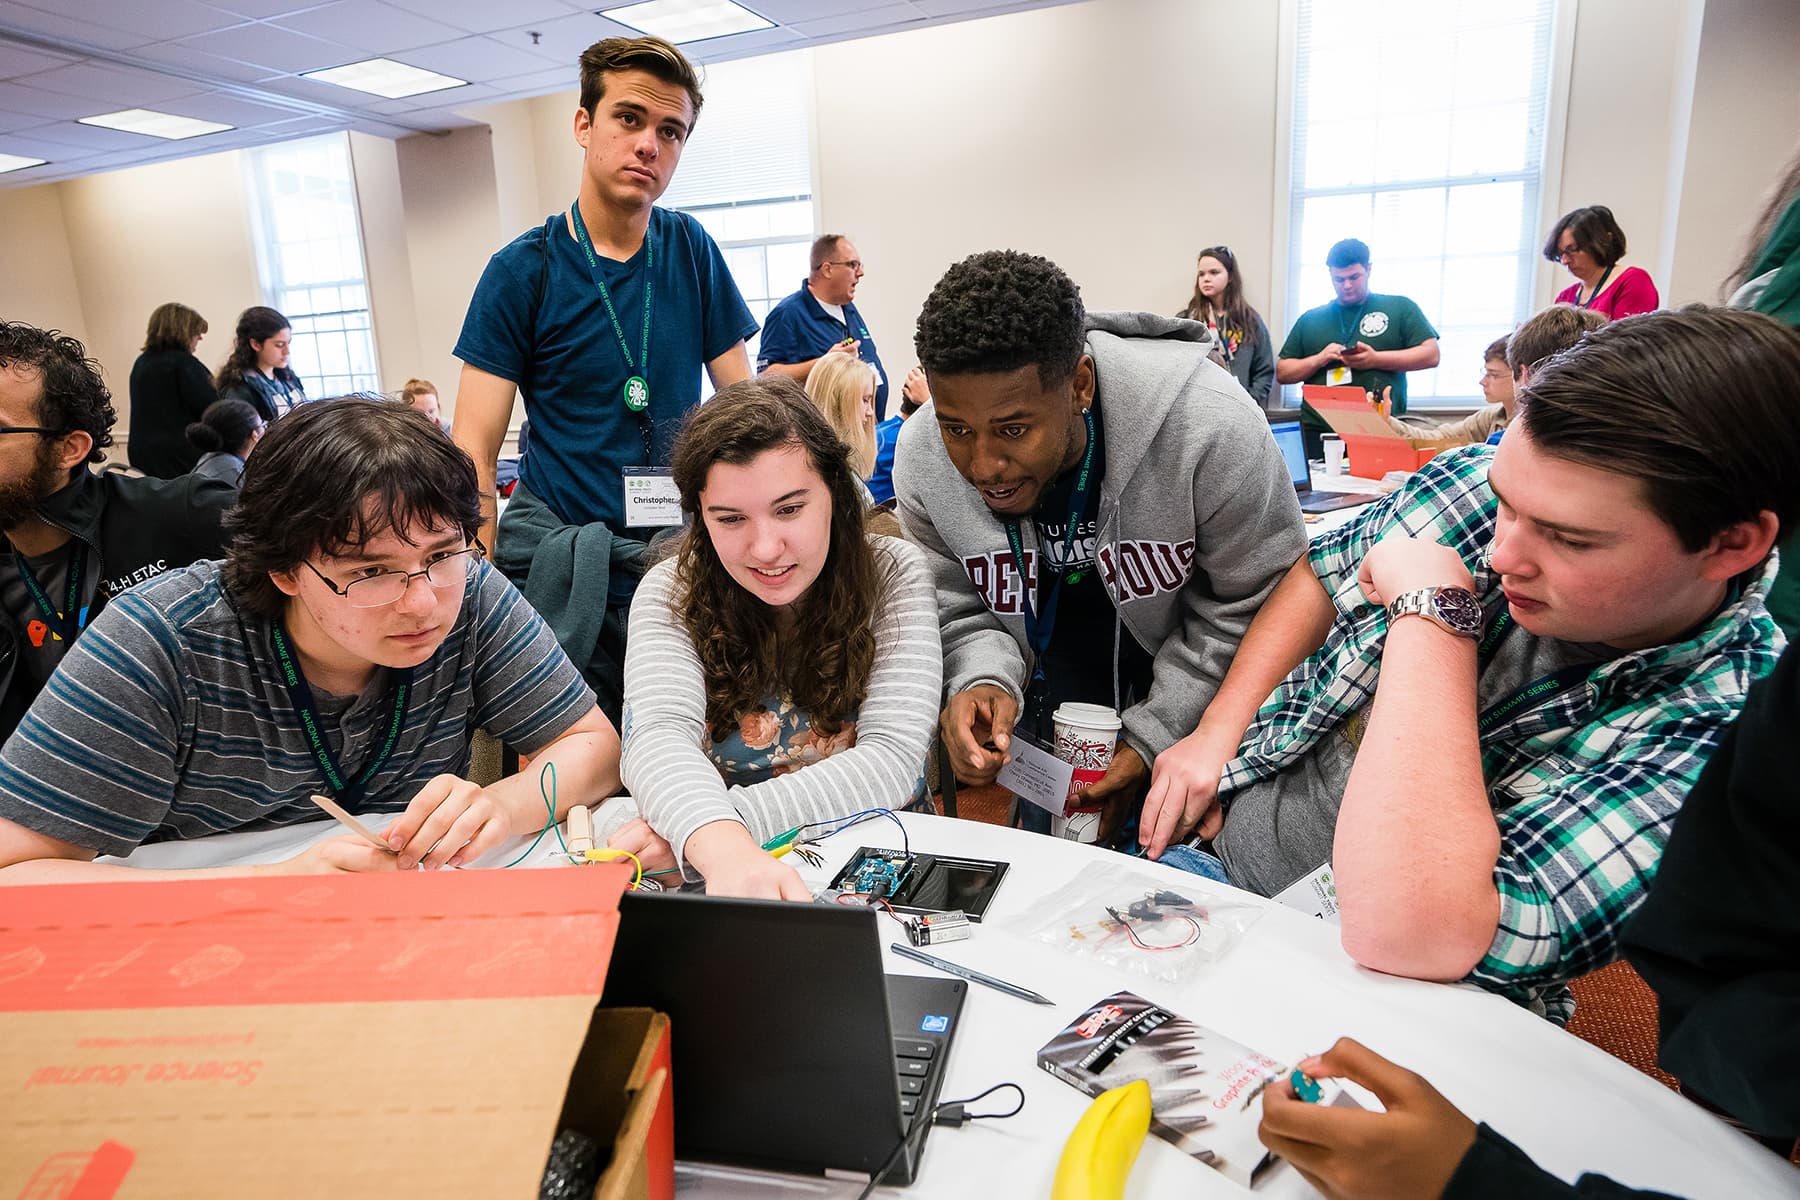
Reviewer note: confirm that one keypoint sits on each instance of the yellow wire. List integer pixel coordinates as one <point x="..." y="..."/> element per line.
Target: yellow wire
<point x="607" y="853"/>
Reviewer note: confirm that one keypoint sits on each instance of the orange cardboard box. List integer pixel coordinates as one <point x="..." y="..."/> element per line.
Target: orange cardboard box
<point x="1372" y="445"/>
<point x="337" y="1036"/>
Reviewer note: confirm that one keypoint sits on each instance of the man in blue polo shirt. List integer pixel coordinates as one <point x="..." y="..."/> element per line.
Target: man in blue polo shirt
<point x="820" y="319"/>
<point x="603" y="318"/>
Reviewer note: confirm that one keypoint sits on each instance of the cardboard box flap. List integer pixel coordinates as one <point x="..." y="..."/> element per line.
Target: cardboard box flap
<point x="1347" y="411"/>
<point x="310" y="939"/>
<point x="341" y="1036"/>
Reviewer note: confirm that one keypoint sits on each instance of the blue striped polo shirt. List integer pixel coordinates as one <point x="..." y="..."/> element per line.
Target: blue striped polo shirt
<point x="169" y="718"/>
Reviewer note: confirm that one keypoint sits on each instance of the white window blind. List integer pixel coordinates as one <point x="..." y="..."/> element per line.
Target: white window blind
<point x="1419" y="128"/>
<point x="309" y="250"/>
<point x="753" y="140"/>
<point x="746" y="174"/>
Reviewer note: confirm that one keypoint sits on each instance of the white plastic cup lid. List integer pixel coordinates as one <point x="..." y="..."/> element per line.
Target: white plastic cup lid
<point x="1089" y="716"/>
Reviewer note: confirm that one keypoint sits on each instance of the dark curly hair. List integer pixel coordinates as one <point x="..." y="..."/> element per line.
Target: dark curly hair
<point x="822" y="663"/>
<point x="74" y="398"/>
<point x="1001" y="310"/>
<point x="333" y="475"/>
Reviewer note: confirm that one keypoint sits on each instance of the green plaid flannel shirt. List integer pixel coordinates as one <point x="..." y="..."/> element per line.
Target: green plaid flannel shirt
<point x="1584" y="786"/>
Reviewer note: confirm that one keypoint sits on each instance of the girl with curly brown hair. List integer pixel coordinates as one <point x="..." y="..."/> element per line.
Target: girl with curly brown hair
<point x="784" y="667"/>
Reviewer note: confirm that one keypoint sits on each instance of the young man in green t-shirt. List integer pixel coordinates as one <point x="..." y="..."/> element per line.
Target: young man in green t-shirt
<point x="1362" y="338"/>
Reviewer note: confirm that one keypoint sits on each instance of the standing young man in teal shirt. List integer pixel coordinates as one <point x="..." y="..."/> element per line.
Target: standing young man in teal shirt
<point x="1362" y="338"/>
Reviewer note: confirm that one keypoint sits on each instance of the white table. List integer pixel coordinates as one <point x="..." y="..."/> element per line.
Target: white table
<point x="1286" y="989"/>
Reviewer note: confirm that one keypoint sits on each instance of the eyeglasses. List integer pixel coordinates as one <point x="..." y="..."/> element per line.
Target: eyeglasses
<point x="41" y="430"/>
<point x="375" y="591"/>
<point x="855" y="264"/>
<point x="1567" y="251"/>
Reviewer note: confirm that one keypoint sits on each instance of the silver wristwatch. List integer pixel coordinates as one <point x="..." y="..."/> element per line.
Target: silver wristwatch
<point x="1454" y="608"/>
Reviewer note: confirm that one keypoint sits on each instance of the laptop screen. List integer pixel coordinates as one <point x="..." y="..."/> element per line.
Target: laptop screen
<point x="1293" y="449"/>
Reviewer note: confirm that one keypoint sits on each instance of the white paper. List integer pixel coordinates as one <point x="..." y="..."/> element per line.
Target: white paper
<point x="1314" y="894"/>
<point x="651" y="498"/>
<point x="1037" y="775"/>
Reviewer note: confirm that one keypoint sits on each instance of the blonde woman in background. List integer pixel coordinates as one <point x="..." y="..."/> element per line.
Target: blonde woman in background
<point x="842" y="387"/>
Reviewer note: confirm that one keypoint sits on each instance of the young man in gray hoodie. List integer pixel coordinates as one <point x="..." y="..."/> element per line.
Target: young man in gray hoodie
<point x="1133" y="477"/>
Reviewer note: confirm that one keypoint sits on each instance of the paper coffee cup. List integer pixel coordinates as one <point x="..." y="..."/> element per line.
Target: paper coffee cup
<point x="1077" y="827"/>
<point x="1334" y="454"/>
<point x="1085" y="735"/>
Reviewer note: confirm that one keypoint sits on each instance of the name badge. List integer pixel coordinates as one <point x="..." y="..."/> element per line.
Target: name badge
<point x="1337" y="376"/>
<point x="1036" y="775"/>
<point x="651" y="498"/>
<point x="1314" y="894"/>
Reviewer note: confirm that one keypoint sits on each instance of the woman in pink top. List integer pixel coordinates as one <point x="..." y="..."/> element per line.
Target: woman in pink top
<point x="1590" y="243"/>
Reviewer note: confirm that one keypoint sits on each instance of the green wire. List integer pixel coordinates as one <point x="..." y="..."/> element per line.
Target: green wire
<point x="549" y="795"/>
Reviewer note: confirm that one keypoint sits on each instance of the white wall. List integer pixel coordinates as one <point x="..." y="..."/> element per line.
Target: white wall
<point x="1745" y="124"/>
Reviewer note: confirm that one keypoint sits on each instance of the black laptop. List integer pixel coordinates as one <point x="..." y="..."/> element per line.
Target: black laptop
<point x="792" y="1049"/>
<point x="1293" y="448"/>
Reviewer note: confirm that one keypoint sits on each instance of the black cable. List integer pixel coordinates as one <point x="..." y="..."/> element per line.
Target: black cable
<point x="949" y="1112"/>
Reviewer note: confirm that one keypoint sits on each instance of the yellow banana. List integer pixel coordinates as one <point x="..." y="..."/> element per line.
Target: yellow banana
<point x="1097" y="1158"/>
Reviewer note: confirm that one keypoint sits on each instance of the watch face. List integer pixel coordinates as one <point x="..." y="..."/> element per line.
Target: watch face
<point x="1459" y="609"/>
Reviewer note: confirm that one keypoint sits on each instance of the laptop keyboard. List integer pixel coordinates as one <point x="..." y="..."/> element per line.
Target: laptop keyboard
<point x="917" y="1063"/>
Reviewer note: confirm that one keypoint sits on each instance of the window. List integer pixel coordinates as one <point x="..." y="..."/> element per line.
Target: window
<point x="1419" y="128"/>
<point x="309" y="249"/>
<point x="746" y="174"/>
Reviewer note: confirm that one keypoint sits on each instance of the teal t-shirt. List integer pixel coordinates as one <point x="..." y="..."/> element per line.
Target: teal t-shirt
<point x="1383" y="322"/>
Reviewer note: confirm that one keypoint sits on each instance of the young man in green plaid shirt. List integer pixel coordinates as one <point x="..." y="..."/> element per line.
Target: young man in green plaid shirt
<point x="1492" y="783"/>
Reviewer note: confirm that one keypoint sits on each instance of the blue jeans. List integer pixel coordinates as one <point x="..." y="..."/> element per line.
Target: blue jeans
<point x="1196" y="861"/>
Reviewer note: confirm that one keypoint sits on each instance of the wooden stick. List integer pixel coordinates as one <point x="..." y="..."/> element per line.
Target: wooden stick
<point x="349" y="822"/>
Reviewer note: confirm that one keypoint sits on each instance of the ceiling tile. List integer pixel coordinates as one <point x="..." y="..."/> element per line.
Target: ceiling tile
<point x="477" y="59"/>
<point x="149" y="20"/>
<point x="52" y="24"/>
<point x="11" y="121"/>
<point x="122" y="87"/>
<point x="558" y="79"/>
<point x="94" y="137"/>
<point x="369" y="25"/>
<point x="738" y="45"/>
<point x="278" y="49"/>
<point x="32" y="146"/>
<point x="263" y="10"/>
<point x="859" y="23"/>
<point x="564" y="39"/>
<point x="188" y="58"/>
<point x="485" y="16"/>
<point x="19" y="98"/>
<point x="234" y="110"/>
<point x="17" y="60"/>
<point x="789" y="12"/>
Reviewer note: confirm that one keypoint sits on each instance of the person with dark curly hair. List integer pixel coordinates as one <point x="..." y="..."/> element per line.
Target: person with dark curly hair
<point x="349" y="643"/>
<point x="1103" y="507"/>
<point x="784" y="666"/>
<point x="77" y="538"/>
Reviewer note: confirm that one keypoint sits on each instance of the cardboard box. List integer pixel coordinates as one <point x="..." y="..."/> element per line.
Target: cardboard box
<point x="339" y="1036"/>
<point x="1372" y="445"/>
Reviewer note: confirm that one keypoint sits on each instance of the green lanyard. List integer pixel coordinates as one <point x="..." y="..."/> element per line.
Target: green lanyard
<point x="1040" y="626"/>
<point x="73" y="617"/>
<point x="637" y="390"/>
<point x="300" y="694"/>
<point x="1346" y="335"/>
<point x="1533" y="693"/>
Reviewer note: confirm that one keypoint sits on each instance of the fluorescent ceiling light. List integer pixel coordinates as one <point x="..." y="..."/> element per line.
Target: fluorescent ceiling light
<point x="385" y="77"/>
<point x="12" y="162"/>
<point x="155" y="124"/>
<point x="688" y="20"/>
